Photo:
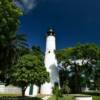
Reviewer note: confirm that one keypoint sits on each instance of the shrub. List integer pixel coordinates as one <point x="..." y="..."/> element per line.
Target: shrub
<point x="56" y="91"/>
<point x="65" y="88"/>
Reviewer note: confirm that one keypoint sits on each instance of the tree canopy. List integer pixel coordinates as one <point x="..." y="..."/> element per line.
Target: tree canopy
<point x="80" y="74"/>
<point x="80" y="51"/>
<point x="29" y="69"/>
<point x="9" y="19"/>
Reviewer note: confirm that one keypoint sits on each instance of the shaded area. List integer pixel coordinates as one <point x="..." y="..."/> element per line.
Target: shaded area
<point x="92" y="93"/>
<point x="19" y="98"/>
<point x="70" y="97"/>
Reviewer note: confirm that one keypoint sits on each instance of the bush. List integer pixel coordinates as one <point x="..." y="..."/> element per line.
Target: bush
<point x="60" y="93"/>
<point x="56" y="91"/>
<point x="92" y="93"/>
<point x="65" y="88"/>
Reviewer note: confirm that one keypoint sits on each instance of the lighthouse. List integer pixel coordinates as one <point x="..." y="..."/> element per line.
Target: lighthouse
<point x="50" y="63"/>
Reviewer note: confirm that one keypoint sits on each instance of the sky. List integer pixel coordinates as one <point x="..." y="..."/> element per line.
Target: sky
<point x="74" y="21"/>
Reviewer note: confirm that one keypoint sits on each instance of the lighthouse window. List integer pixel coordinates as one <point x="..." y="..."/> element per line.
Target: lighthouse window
<point x="48" y="51"/>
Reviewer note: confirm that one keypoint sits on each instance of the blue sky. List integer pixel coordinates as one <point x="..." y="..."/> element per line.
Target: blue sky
<point x="74" y="21"/>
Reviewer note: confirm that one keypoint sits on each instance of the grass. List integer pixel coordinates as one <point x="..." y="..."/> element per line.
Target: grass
<point x="17" y="96"/>
<point x="62" y="98"/>
<point x="71" y="98"/>
<point x="12" y="95"/>
<point x="96" y="97"/>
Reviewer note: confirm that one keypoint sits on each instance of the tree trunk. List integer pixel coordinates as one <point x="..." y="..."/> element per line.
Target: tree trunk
<point x="77" y="80"/>
<point x="39" y="89"/>
<point x="23" y="91"/>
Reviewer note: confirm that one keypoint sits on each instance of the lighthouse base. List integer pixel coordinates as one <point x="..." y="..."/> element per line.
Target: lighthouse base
<point x="46" y="89"/>
<point x="32" y="90"/>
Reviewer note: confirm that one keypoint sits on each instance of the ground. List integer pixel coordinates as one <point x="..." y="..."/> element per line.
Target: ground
<point x="65" y="97"/>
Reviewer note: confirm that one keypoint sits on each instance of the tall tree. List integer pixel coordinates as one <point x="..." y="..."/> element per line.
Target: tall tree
<point x="11" y="52"/>
<point x="9" y="22"/>
<point x="9" y="41"/>
<point x="88" y="53"/>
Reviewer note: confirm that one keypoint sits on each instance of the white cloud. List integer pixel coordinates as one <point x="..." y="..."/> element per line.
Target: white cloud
<point x="27" y="5"/>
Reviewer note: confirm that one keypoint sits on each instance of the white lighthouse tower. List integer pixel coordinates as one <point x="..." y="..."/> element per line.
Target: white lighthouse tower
<point x="50" y="63"/>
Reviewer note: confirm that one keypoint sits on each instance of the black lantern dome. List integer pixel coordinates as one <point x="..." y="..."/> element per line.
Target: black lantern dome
<point x="50" y="32"/>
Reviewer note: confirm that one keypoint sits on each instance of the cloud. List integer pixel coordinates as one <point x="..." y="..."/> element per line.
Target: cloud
<point x="27" y="5"/>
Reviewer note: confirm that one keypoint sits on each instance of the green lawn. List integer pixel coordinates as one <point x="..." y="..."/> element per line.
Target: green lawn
<point x="96" y="97"/>
<point x="62" y="98"/>
<point x="17" y="97"/>
<point x="71" y="98"/>
<point x="10" y="95"/>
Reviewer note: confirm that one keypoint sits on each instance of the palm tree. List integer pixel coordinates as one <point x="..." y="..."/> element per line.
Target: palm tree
<point x="11" y="47"/>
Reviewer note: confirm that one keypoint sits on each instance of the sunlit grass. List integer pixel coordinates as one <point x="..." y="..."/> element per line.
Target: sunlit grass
<point x="62" y="98"/>
<point x="17" y="96"/>
<point x="12" y="95"/>
<point x="96" y="97"/>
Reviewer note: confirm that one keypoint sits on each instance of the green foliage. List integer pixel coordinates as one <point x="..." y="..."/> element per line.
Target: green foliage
<point x="64" y="54"/>
<point x="86" y="51"/>
<point x="97" y="78"/>
<point x="9" y="21"/>
<point x="10" y="53"/>
<point x="80" y="74"/>
<point x="37" y="51"/>
<point x="65" y="87"/>
<point x="9" y="42"/>
<point x="56" y="91"/>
